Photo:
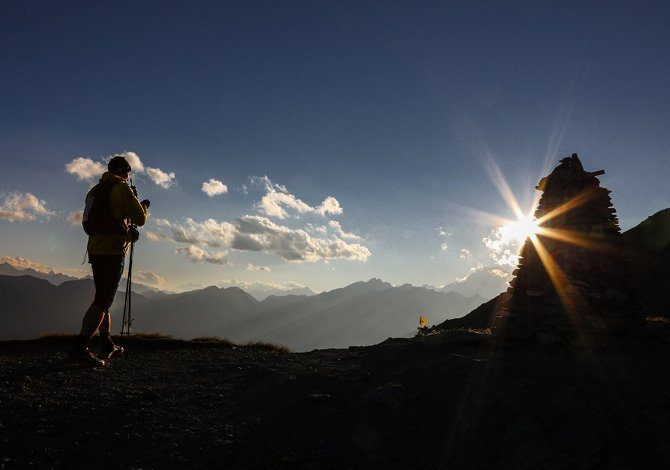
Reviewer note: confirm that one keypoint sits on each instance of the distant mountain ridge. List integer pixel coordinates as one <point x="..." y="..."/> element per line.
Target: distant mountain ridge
<point x="56" y="279"/>
<point x="265" y="293"/>
<point x="361" y="313"/>
<point x="53" y="277"/>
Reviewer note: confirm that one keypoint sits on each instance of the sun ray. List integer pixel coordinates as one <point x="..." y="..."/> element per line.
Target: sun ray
<point x="503" y="188"/>
<point x="574" y="238"/>
<point x="576" y="201"/>
<point x="486" y="216"/>
<point x="568" y="295"/>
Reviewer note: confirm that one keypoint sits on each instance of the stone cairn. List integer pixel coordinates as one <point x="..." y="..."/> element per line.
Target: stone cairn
<point x="585" y="287"/>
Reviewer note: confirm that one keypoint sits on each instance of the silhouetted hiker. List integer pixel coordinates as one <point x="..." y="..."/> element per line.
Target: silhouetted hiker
<point x="111" y="209"/>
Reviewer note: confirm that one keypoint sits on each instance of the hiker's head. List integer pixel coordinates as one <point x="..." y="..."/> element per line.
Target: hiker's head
<point x="119" y="166"/>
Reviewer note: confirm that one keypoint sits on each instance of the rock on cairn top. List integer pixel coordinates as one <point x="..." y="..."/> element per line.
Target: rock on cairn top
<point x="573" y="278"/>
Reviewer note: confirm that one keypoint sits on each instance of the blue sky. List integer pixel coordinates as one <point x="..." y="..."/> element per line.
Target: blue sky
<point x="394" y="109"/>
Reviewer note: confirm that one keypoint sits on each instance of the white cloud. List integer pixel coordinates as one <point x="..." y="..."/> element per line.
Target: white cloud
<point x="23" y="207"/>
<point x="277" y="198"/>
<point x="208" y="233"/>
<point x="335" y="225"/>
<point x="161" y="178"/>
<point x="443" y="232"/>
<point x="503" y="249"/>
<point x="197" y="254"/>
<point x="243" y="189"/>
<point x="256" y="233"/>
<point x="134" y="161"/>
<point x="214" y="187"/>
<point x="464" y="254"/>
<point x="85" y="169"/>
<point x="330" y="205"/>
<point x="75" y="217"/>
<point x="154" y="236"/>
<point x="253" y="268"/>
<point x="444" y="247"/>
<point x="148" y="278"/>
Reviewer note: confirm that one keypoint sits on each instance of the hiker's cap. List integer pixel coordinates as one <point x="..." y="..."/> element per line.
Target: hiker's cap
<point x="118" y="165"/>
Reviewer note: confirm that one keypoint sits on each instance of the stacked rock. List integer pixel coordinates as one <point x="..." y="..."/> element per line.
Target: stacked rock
<point x="572" y="276"/>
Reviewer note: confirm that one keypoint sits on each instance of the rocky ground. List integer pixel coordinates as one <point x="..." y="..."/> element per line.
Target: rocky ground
<point x="455" y="399"/>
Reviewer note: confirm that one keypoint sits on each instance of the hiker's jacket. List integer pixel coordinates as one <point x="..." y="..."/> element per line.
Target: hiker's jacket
<point x="125" y="206"/>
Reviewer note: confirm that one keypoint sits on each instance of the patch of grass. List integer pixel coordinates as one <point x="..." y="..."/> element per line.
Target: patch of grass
<point x="214" y="340"/>
<point x="152" y="336"/>
<point x="266" y="346"/>
<point x="56" y="335"/>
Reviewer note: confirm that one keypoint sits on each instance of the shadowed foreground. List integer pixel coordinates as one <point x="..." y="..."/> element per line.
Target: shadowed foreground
<point x="455" y="399"/>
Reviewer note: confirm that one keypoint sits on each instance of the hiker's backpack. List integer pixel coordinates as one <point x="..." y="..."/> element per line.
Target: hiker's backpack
<point x="98" y="218"/>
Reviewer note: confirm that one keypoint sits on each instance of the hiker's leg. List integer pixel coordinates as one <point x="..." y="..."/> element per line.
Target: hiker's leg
<point x="107" y="272"/>
<point x="89" y="325"/>
<point x="106" y="324"/>
<point x="92" y="319"/>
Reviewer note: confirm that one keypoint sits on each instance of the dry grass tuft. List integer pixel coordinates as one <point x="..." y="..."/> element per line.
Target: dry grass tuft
<point x="214" y="340"/>
<point x="266" y="346"/>
<point x="152" y="336"/>
<point x="56" y="335"/>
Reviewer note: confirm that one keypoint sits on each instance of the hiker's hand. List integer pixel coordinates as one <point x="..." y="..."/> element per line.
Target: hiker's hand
<point x="145" y="203"/>
<point x="134" y="234"/>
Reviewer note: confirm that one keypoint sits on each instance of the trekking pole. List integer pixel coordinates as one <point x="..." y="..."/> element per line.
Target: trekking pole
<point x="127" y="301"/>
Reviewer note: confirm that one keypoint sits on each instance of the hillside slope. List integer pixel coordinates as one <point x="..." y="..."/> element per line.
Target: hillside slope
<point x="455" y="400"/>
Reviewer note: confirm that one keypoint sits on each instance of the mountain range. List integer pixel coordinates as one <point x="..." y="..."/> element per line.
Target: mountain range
<point x="362" y="313"/>
<point x="53" y="277"/>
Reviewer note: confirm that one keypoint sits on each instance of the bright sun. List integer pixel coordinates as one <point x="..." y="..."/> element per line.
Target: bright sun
<point x="519" y="230"/>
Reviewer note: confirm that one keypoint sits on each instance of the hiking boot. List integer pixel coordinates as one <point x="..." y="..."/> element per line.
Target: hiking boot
<point x="85" y="357"/>
<point x="111" y="351"/>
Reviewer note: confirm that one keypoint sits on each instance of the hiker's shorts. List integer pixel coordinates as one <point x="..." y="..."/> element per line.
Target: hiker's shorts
<point x="107" y="272"/>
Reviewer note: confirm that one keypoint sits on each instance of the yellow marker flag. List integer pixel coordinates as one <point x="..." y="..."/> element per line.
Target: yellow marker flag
<point x="423" y="321"/>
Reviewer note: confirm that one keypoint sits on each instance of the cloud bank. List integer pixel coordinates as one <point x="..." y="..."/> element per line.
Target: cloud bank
<point x="197" y="254"/>
<point x="23" y="207"/>
<point x="277" y="200"/>
<point x="254" y="269"/>
<point x="148" y="278"/>
<point x="257" y="233"/>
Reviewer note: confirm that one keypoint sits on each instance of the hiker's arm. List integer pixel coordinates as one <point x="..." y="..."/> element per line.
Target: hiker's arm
<point x="132" y="208"/>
